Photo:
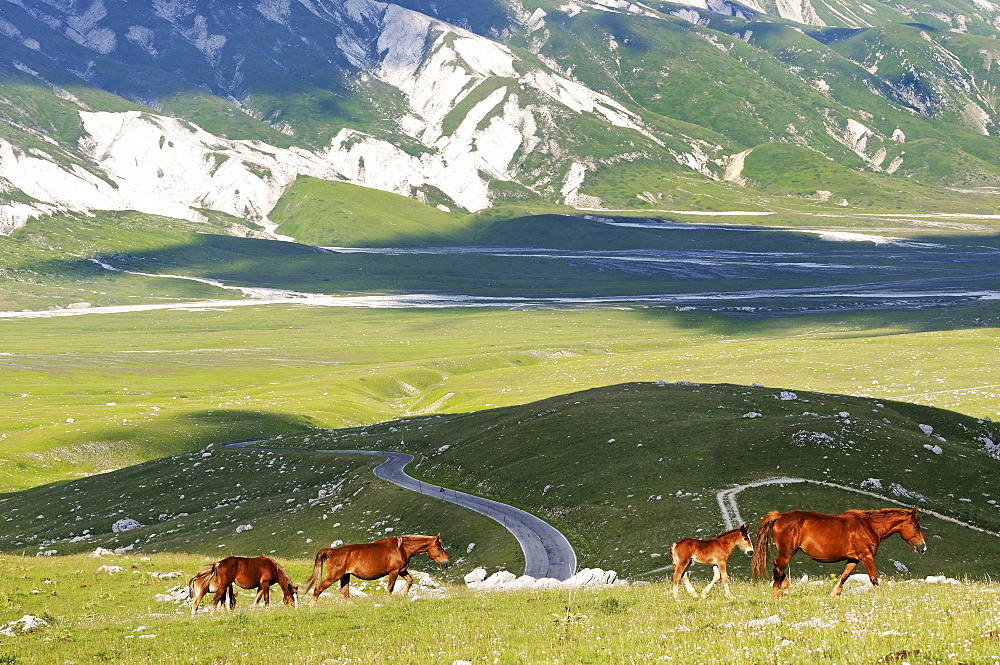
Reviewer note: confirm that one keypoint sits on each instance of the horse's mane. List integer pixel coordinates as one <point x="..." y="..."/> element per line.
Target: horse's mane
<point x="726" y="533"/>
<point x="880" y="512"/>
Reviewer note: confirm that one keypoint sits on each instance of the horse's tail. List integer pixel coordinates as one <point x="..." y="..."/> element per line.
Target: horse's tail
<point x="205" y="576"/>
<point x="764" y="537"/>
<point x="673" y="555"/>
<point x="317" y="573"/>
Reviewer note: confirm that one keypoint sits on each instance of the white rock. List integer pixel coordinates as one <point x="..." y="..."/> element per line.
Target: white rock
<point x="498" y="578"/>
<point x="591" y="577"/>
<point x="125" y="524"/>
<point x="940" y="579"/>
<point x="476" y="575"/>
<point x="25" y="624"/>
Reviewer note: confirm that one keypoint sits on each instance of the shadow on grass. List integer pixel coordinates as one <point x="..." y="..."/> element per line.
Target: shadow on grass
<point x="734" y="273"/>
<point x="113" y="447"/>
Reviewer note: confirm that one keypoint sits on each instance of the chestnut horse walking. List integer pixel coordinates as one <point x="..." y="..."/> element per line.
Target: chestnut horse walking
<point x="715" y="551"/>
<point x="370" y="561"/>
<point x="853" y="536"/>
<point x="248" y="572"/>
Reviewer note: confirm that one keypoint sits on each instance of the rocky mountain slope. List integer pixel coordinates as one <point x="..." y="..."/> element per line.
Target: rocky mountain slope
<point x="175" y="107"/>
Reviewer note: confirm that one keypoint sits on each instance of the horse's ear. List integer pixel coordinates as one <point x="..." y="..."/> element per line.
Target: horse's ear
<point x="438" y="536"/>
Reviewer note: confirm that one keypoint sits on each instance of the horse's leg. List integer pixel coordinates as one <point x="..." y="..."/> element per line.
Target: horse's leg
<point x="321" y="587"/>
<point x="716" y="574"/>
<point x="220" y="596"/>
<point x="679" y="570"/>
<point x="265" y="592"/>
<point x="232" y="597"/>
<point x="868" y="562"/>
<point x="345" y="585"/>
<point x="780" y="574"/>
<point x="409" y="581"/>
<point x="725" y="579"/>
<point x="196" y="600"/>
<point x="391" y="581"/>
<point x="848" y="569"/>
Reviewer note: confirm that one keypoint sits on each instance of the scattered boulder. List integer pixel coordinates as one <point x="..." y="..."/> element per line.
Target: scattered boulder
<point x="177" y="594"/>
<point x="25" y="624"/>
<point x="125" y="524"/>
<point x="477" y="575"/>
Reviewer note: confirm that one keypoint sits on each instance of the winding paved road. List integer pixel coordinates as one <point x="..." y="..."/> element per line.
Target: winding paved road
<point x="547" y="553"/>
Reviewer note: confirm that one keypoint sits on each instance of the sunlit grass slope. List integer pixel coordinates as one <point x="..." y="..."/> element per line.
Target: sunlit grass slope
<point x="93" y="392"/>
<point x="99" y="617"/>
<point x="320" y="212"/>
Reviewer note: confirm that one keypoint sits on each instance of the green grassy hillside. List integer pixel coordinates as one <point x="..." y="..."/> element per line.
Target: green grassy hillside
<point x="148" y="384"/>
<point x="319" y="212"/>
<point x="623" y="471"/>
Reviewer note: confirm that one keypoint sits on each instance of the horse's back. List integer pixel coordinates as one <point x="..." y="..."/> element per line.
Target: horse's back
<point x="821" y="536"/>
<point x="368" y="561"/>
<point x="798" y="519"/>
<point x="249" y="572"/>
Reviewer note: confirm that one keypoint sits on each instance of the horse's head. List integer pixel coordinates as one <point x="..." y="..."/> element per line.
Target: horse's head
<point x="437" y="554"/>
<point x="745" y="543"/>
<point x="911" y="533"/>
<point x="291" y="594"/>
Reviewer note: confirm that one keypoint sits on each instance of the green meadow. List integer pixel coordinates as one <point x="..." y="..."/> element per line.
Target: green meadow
<point x="97" y="616"/>
<point x="87" y="393"/>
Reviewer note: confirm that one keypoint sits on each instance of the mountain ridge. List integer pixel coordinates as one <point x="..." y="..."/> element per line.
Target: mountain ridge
<point x="465" y="108"/>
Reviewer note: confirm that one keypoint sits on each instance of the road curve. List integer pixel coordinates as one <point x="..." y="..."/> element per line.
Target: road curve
<point x="547" y="552"/>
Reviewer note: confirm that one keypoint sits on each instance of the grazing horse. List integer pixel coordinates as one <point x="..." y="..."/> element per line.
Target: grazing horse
<point x="853" y="536"/>
<point x="370" y="561"/>
<point x="248" y="572"/>
<point x="715" y="551"/>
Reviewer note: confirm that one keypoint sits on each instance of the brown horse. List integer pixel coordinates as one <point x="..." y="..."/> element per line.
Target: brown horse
<point x="370" y="561"/>
<point x="248" y="572"/>
<point x="715" y="551"/>
<point x="853" y="536"/>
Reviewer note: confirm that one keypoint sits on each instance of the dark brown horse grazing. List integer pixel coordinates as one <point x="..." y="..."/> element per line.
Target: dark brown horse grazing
<point x="370" y="561"/>
<point x="853" y="536"/>
<point x="715" y="551"/>
<point x="258" y="572"/>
